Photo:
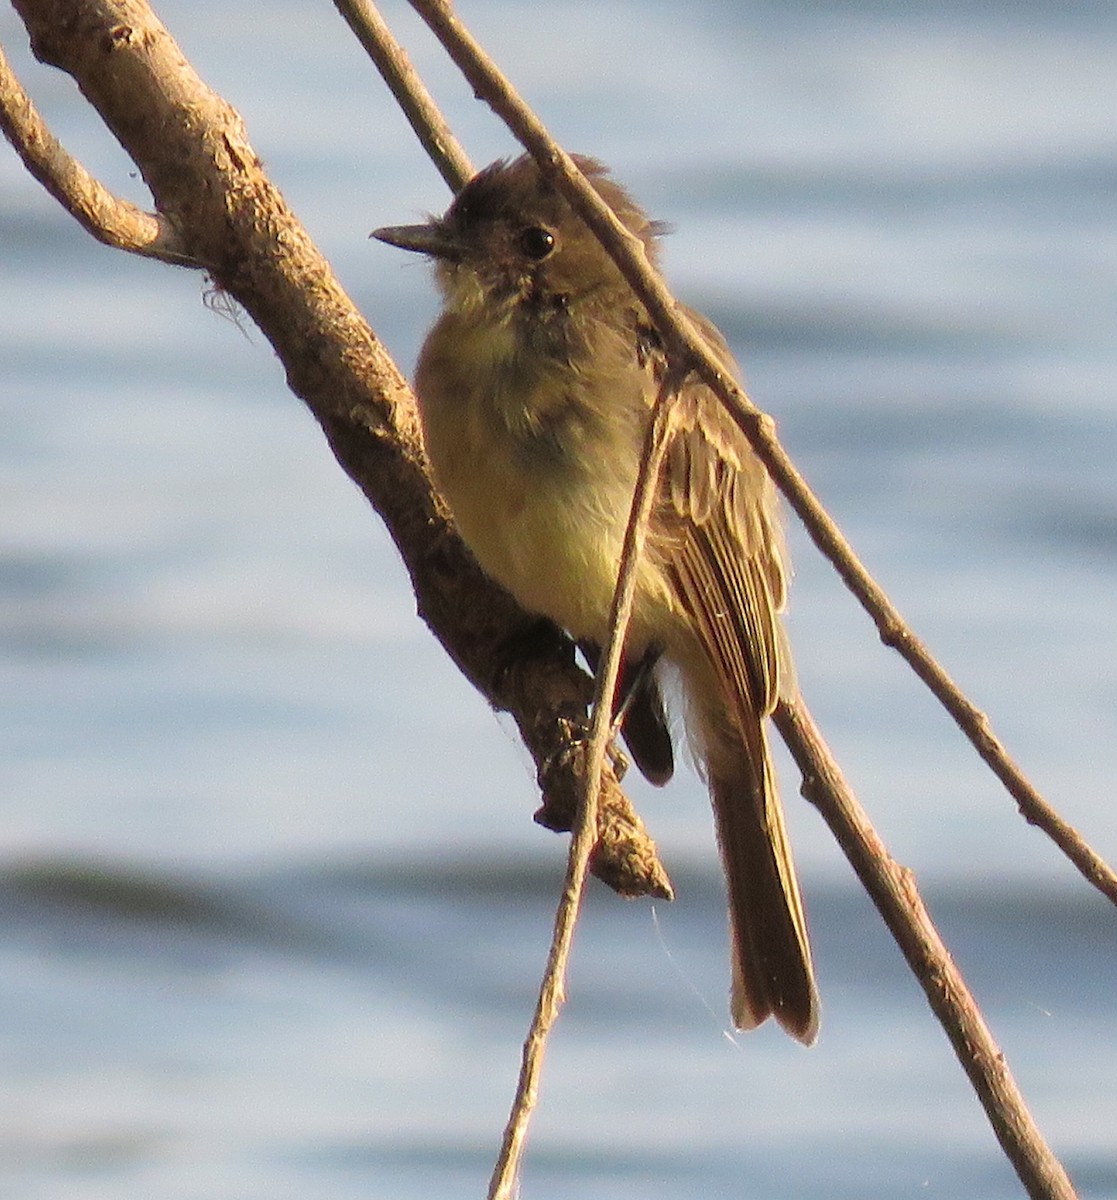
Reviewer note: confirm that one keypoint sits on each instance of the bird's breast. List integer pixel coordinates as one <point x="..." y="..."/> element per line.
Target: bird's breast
<point x="537" y="466"/>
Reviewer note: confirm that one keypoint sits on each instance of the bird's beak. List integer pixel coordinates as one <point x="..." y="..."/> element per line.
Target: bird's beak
<point x="431" y="239"/>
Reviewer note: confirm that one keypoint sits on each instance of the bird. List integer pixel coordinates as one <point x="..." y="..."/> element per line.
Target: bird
<point x="535" y="387"/>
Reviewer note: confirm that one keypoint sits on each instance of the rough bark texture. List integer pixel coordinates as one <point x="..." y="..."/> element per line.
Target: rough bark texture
<point x="194" y="155"/>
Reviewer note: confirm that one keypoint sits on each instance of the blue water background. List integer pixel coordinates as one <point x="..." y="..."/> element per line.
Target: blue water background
<point x="272" y="908"/>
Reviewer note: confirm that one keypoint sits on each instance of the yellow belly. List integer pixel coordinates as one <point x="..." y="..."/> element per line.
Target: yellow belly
<point x="552" y="539"/>
<point x="549" y="530"/>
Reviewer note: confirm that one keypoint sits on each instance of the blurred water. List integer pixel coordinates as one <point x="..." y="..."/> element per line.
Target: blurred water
<point x="273" y="906"/>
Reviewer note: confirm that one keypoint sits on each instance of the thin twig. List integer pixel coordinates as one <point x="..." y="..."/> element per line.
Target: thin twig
<point x="204" y="175"/>
<point x="1033" y="1160"/>
<point x="892" y="889"/>
<point x="584" y="835"/>
<point x="404" y="83"/>
<point x="624" y="856"/>
<point x="491" y="86"/>
<point x="108" y="218"/>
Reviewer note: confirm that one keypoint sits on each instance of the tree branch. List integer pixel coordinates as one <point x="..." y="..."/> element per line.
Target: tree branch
<point x="893" y="891"/>
<point x="108" y="218"/>
<point x="686" y="344"/>
<point x="504" y="1182"/>
<point x="434" y="134"/>
<point x="206" y="179"/>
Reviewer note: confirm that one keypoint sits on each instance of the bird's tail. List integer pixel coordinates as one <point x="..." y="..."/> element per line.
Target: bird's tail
<point x="771" y="957"/>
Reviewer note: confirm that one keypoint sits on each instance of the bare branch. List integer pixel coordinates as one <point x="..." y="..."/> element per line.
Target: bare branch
<point x="420" y="109"/>
<point x="551" y="992"/>
<point x="204" y="175"/>
<point x="682" y="339"/>
<point x="108" y="218"/>
<point x="624" y="857"/>
<point x="893" y="891"/>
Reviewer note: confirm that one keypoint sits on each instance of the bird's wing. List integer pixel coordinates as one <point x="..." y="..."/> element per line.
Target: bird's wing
<point x="718" y="533"/>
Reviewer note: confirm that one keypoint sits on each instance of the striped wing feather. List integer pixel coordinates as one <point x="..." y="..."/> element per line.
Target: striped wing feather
<point x="721" y="547"/>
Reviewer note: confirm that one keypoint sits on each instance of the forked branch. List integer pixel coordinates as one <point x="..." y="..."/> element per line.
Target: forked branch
<point x="222" y="213"/>
<point x="108" y="218"/>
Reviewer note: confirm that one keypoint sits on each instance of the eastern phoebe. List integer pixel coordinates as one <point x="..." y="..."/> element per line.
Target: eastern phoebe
<point x="535" y="387"/>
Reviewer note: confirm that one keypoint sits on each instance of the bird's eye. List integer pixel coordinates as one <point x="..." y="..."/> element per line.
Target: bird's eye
<point x="537" y="242"/>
